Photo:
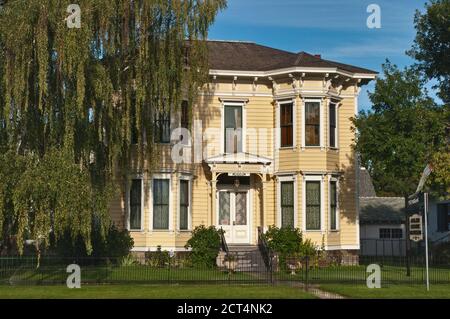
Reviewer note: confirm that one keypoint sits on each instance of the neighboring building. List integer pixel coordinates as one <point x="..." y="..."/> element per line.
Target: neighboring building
<point x="439" y="221"/>
<point x="382" y="221"/>
<point x="275" y="149"/>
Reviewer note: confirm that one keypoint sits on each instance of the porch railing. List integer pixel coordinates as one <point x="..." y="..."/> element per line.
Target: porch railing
<point x="266" y="252"/>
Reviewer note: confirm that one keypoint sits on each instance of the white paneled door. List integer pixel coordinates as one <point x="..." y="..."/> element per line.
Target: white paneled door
<point x="233" y="215"/>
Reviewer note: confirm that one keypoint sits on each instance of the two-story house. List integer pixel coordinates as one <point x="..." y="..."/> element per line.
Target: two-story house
<point x="270" y="144"/>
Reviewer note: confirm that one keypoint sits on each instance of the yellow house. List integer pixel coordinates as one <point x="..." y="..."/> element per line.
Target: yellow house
<point x="269" y="142"/>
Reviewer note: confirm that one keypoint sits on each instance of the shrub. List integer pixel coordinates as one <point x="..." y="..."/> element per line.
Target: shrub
<point x="159" y="258"/>
<point x="288" y="242"/>
<point x="115" y="243"/>
<point x="205" y="246"/>
<point x="441" y="252"/>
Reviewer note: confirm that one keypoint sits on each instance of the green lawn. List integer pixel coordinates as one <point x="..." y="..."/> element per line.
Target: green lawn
<point x="354" y="274"/>
<point x="390" y="291"/>
<point x="128" y="274"/>
<point x="154" y="292"/>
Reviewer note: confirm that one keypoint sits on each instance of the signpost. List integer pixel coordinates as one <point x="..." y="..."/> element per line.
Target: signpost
<point x="417" y="205"/>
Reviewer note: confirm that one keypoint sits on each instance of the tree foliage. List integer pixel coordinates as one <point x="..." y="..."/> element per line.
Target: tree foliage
<point x="403" y="132"/>
<point x="432" y="44"/>
<point x="73" y="99"/>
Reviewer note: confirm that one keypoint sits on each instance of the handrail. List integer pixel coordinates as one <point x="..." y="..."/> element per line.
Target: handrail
<point x="223" y="242"/>
<point x="264" y="249"/>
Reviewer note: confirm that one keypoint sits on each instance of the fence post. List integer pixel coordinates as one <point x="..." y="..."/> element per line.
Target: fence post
<point x="306" y="273"/>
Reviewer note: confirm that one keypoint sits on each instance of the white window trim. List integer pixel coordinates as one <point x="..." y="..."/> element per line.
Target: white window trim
<point x="308" y="178"/>
<point x="333" y="179"/>
<point x="128" y="208"/>
<point x="336" y="138"/>
<point x="189" y="179"/>
<point x="294" y="124"/>
<point x="287" y="178"/>
<point x="321" y="130"/>
<point x="222" y="125"/>
<point x="160" y="176"/>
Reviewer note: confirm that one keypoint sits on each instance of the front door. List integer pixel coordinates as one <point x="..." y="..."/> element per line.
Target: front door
<point x="233" y="208"/>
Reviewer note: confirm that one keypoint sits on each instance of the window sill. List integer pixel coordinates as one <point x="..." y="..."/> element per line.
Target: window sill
<point x="286" y="148"/>
<point x="136" y="230"/>
<point x="161" y="231"/>
<point x="334" y="230"/>
<point x="314" y="231"/>
<point x="333" y="148"/>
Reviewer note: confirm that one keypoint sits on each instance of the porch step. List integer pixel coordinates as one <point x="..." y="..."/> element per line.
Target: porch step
<point x="248" y="258"/>
<point x="242" y="248"/>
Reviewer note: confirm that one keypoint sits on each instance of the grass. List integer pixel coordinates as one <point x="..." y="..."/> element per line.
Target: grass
<point x="358" y="274"/>
<point x="153" y="292"/>
<point x="136" y="273"/>
<point x="388" y="292"/>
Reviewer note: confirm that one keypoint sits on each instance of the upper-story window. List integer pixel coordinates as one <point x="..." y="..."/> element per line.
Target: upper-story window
<point x="286" y="124"/>
<point x="135" y="204"/>
<point x="233" y="129"/>
<point x="184" y="122"/>
<point x="332" y="113"/>
<point x="162" y="127"/>
<point x="312" y="123"/>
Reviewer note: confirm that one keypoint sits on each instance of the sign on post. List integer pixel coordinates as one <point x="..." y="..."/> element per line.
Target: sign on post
<point x="415" y="228"/>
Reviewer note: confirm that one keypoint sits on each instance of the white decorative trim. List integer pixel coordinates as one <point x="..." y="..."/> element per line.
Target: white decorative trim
<point x="155" y="248"/>
<point x="127" y="199"/>
<point x="150" y="199"/>
<point x="339" y="247"/>
<point x="290" y="70"/>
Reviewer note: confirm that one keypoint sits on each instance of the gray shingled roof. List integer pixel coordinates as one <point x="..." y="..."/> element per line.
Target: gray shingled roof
<point x="248" y="56"/>
<point x="381" y="210"/>
<point x="366" y="188"/>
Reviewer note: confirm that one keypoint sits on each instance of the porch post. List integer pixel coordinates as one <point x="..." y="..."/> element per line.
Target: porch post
<point x="212" y="219"/>
<point x="263" y="211"/>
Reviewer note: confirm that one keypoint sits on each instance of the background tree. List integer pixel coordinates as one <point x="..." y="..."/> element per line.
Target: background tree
<point x="73" y="101"/>
<point x="432" y="44"/>
<point x="402" y="133"/>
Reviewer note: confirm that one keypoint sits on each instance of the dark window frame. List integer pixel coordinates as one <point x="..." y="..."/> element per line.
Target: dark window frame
<point x="161" y="204"/>
<point x="309" y="205"/>
<point x="236" y="129"/>
<point x="287" y="124"/>
<point x="162" y="123"/>
<point x="185" y="205"/>
<point x="333" y="206"/>
<point x="132" y="205"/>
<point x="284" y="205"/>
<point x="332" y="125"/>
<point x="312" y="124"/>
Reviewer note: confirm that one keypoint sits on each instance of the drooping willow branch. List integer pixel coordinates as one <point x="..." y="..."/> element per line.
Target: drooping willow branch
<point x="85" y="92"/>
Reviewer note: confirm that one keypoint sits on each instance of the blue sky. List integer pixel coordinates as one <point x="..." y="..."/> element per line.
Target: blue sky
<point x="336" y="29"/>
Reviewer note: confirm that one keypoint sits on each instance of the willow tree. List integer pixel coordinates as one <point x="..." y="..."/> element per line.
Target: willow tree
<point x="72" y="100"/>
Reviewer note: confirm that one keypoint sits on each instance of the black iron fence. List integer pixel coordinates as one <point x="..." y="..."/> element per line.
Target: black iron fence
<point x="243" y="267"/>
